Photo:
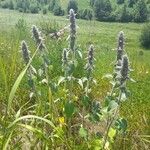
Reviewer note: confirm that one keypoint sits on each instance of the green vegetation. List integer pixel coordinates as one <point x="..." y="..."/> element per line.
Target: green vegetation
<point x="30" y="120"/>
<point x="102" y="10"/>
<point x="145" y="36"/>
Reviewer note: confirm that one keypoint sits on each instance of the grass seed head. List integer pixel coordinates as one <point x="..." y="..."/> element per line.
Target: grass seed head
<point x="90" y="58"/>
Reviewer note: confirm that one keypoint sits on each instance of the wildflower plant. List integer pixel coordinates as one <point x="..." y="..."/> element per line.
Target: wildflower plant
<point x="31" y="70"/>
<point x="118" y="94"/>
<point x="65" y="113"/>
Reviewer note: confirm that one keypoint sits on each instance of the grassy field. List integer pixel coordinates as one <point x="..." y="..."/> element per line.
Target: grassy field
<point x="104" y="37"/>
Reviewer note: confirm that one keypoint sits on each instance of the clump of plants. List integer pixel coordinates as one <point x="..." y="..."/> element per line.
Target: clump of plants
<point x="145" y="36"/>
<point x="63" y="113"/>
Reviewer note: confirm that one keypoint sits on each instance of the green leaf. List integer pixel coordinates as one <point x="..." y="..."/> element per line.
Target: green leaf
<point x="34" y="130"/>
<point x="61" y="79"/>
<point x="111" y="133"/>
<point x="17" y="83"/>
<point x="31" y="117"/>
<point x="86" y="101"/>
<point x="83" y="132"/>
<point x="123" y="97"/>
<point x="108" y="76"/>
<point x="112" y="105"/>
<point x="80" y="54"/>
<point x="69" y="109"/>
<point x="121" y="124"/>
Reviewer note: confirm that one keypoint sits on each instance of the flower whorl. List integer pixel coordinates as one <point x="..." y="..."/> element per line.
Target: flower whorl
<point x="125" y="68"/>
<point x="120" y="48"/>
<point x="25" y="52"/>
<point x="121" y="40"/>
<point x="72" y="29"/>
<point x="36" y="34"/>
<point x="90" y="58"/>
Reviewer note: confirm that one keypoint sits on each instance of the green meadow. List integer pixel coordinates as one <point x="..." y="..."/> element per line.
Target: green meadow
<point x="103" y="36"/>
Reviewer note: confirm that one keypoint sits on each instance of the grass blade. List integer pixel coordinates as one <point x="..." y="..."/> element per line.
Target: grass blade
<point x="17" y="82"/>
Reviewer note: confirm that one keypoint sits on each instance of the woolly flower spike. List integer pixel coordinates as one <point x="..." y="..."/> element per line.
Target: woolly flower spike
<point x="36" y="34"/>
<point x="119" y="54"/>
<point x="125" y="68"/>
<point x="72" y="30"/>
<point x="89" y="66"/>
<point x="64" y="56"/>
<point x="120" y="40"/>
<point x="25" y="52"/>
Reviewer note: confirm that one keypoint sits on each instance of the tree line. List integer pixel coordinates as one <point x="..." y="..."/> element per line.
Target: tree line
<point x="101" y="10"/>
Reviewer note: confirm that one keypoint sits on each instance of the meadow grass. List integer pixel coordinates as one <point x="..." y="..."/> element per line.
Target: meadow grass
<point x="103" y="36"/>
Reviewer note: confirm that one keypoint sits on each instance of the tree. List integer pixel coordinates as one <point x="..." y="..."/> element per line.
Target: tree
<point x="72" y="5"/>
<point x="141" y="12"/>
<point x="102" y="9"/>
<point x="58" y="10"/>
<point x="125" y="15"/>
<point x="11" y="4"/>
<point x="52" y="5"/>
<point x="86" y="14"/>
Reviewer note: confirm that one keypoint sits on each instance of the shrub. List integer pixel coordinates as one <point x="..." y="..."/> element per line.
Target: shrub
<point x="49" y="26"/>
<point x="86" y="14"/>
<point x="34" y="8"/>
<point x="5" y="4"/>
<point x="22" y="6"/>
<point x="44" y="10"/>
<point x="145" y="36"/>
<point x="58" y="10"/>
<point x="72" y="5"/>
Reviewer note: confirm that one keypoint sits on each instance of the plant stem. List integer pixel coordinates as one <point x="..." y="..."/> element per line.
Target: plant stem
<point x="112" y="120"/>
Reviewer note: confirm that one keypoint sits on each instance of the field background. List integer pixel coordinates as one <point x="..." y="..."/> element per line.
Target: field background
<point x="104" y="37"/>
